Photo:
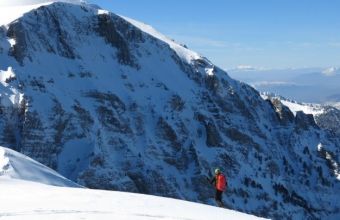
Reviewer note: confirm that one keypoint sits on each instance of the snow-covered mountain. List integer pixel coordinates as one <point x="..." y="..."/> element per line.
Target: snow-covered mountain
<point x="110" y="103"/>
<point x="294" y="106"/>
<point x="326" y="116"/>
<point x="29" y="190"/>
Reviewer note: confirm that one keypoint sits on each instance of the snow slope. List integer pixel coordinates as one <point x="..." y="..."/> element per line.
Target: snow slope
<point x="336" y="105"/>
<point x="12" y="10"/>
<point x="25" y="195"/>
<point x="34" y="201"/>
<point x="10" y="13"/>
<point x="307" y="108"/>
<point x="183" y="52"/>
<point x="14" y="165"/>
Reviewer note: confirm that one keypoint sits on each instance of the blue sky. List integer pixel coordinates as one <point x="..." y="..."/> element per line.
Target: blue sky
<point x="259" y="33"/>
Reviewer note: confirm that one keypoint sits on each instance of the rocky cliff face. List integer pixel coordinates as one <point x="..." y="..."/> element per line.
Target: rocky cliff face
<point x="330" y="120"/>
<point x="112" y="104"/>
<point x="327" y="117"/>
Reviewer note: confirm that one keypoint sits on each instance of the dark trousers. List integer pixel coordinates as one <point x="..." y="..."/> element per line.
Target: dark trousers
<point x="218" y="196"/>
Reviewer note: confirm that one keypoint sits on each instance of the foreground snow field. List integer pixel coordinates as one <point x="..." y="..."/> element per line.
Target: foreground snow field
<point x="30" y="200"/>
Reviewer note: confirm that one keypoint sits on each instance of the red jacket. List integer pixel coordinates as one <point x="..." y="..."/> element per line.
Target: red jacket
<point x="220" y="182"/>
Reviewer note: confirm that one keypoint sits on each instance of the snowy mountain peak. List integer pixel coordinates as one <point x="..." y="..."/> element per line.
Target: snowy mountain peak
<point x="12" y="10"/>
<point x="183" y="52"/>
<point x="9" y="13"/>
<point x="5" y="3"/>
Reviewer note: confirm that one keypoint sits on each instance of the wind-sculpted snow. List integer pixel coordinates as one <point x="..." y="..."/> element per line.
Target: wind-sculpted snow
<point x="112" y="104"/>
<point x="14" y="165"/>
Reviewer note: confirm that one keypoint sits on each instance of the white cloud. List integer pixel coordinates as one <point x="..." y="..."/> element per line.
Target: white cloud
<point x="273" y="83"/>
<point x="246" y="67"/>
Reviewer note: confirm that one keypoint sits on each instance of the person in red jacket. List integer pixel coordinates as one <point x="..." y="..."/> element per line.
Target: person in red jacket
<point x="220" y="182"/>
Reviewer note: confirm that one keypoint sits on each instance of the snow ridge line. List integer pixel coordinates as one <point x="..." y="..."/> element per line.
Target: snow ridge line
<point x="4" y="162"/>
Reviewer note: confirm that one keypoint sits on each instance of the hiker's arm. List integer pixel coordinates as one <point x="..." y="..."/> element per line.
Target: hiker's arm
<point x="213" y="180"/>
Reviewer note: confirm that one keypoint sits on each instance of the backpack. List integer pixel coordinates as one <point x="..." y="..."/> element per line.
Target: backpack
<point x="221" y="182"/>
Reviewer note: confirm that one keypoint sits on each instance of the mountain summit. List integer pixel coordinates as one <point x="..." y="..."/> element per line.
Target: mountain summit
<point x="5" y="3"/>
<point x="112" y="104"/>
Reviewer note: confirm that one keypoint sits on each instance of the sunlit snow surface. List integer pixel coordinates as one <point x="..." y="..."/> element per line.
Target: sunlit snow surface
<point x="15" y="166"/>
<point x="294" y="107"/>
<point x="11" y="13"/>
<point x="307" y="109"/>
<point x="183" y="52"/>
<point x="32" y="2"/>
<point x="32" y="201"/>
<point x="23" y="196"/>
<point x="8" y="95"/>
<point x="11" y="10"/>
<point x="188" y="55"/>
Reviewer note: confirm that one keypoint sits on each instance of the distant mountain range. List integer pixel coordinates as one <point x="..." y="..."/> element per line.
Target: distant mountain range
<point x="314" y="85"/>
